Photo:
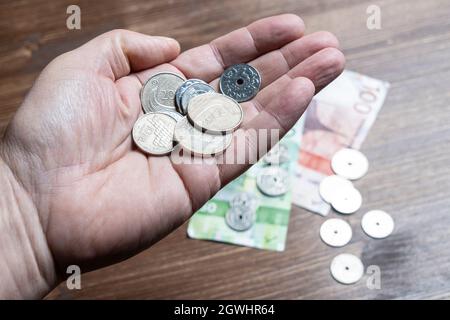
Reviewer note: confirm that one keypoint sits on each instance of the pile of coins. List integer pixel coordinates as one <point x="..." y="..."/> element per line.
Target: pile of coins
<point x="190" y="113"/>
<point x="338" y="190"/>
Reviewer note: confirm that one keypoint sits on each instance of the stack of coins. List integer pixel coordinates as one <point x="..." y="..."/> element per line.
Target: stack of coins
<point x="191" y="113"/>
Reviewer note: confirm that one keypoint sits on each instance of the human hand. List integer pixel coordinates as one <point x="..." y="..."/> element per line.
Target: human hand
<point x="92" y="197"/>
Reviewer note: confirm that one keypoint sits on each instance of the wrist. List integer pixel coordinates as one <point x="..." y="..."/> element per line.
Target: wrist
<point x="26" y="264"/>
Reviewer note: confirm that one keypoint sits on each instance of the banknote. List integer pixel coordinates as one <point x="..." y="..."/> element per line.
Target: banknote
<point x="341" y="115"/>
<point x="272" y="214"/>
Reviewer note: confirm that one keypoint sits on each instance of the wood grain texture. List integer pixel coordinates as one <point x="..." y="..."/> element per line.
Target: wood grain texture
<point x="408" y="147"/>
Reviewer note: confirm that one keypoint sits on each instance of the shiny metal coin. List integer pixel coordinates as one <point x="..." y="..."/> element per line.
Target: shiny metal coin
<point x="377" y="224"/>
<point x="331" y="185"/>
<point x="277" y="155"/>
<point x="158" y="92"/>
<point x="153" y="133"/>
<point x="350" y="164"/>
<point x="244" y="200"/>
<point x="347" y="201"/>
<point x="336" y="232"/>
<point x="215" y="113"/>
<point x="240" y="220"/>
<point x="192" y="91"/>
<point x="199" y="142"/>
<point x="181" y="90"/>
<point x="273" y="181"/>
<point x="240" y="82"/>
<point x="176" y="115"/>
<point x="347" y="268"/>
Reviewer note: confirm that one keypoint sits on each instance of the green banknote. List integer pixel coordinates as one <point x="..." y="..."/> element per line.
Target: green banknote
<point x="269" y="230"/>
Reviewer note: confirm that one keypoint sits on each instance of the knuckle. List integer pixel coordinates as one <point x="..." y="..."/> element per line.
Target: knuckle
<point x="115" y="33"/>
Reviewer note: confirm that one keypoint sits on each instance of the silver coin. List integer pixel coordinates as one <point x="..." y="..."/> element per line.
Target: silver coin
<point x="331" y="185"/>
<point x="153" y="133"/>
<point x="199" y="142"/>
<point x="273" y="181"/>
<point x="176" y="115"/>
<point x="244" y="200"/>
<point x="336" y="232"/>
<point x="192" y="91"/>
<point x="277" y="155"/>
<point x="240" y="82"/>
<point x="240" y="219"/>
<point x="181" y="90"/>
<point x="377" y="224"/>
<point x="215" y="113"/>
<point x="347" y="268"/>
<point x="350" y="163"/>
<point x="347" y="201"/>
<point x="158" y="92"/>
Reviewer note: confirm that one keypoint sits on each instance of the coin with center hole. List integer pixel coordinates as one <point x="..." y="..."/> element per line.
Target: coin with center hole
<point x="331" y="185"/>
<point x="240" y="82"/>
<point x="153" y="133"/>
<point x="273" y="181"/>
<point x="199" y="142"/>
<point x="347" y="201"/>
<point x="350" y="164"/>
<point x="277" y="155"/>
<point x="347" y="268"/>
<point x="377" y="224"/>
<point x="192" y="91"/>
<point x="215" y="113"/>
<point x="181" y="90"/>
<point x="158" y="92"/>
<point x="336" y="232"/>
<point x="240" y="219"/>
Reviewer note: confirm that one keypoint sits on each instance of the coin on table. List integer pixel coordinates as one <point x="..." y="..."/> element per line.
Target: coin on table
<point x="349" y="163"/>
<point x="347" y="201"/>
<point x="183" y="88"/>
<point x="192" y="91"/>
<point x="347" y="268"/>
<point x="331" y="185"/>
<point x="277" y="155"/>
<point x="158" y="92"/>
<point x="244" y="200"/>
<point x="215" y="113"/>
<point x="377" y="224"/>
<point x="336" y="232"/>
<point x="240" y="220"/>
<point x="273" y="181"/>
<point x="153" y="133"/>
<point x="240" y="82"/>
<point x="199" y="142"/>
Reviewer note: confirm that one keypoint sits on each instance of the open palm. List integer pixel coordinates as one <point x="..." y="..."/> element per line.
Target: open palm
<point x="98" y="198"/>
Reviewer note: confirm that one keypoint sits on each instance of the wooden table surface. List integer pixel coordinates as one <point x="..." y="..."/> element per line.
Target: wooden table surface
<point x="408" y="147"/>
